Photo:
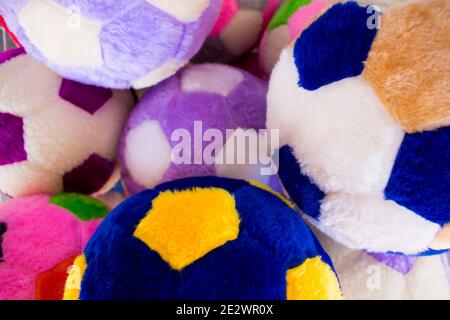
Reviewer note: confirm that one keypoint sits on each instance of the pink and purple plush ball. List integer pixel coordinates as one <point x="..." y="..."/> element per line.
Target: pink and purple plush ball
<point x="56" y="135"/>
<point x="237" y="30"/>
<point x="216" y="97"/>
<point x="114" y="44"/>
<point x="40" y="236"/>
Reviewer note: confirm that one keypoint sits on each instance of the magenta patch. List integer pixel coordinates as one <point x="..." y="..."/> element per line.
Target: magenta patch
<point x="3" y="229"/>
<point x="229" y="10"/>
<point x="398" y="262"/>
<point x="90" y="176"/>
<point x="87" y="97"/>
<point x="12" y="143"/>
<point x="10" y="54"/>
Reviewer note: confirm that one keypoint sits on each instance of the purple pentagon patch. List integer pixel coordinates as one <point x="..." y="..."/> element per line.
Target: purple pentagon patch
<point x="9" y="54"/>
<point x="90" y="176"/>
<point x="398" y="262"/>
<point x="86" y="97"/>
<point x="12" y="143"/>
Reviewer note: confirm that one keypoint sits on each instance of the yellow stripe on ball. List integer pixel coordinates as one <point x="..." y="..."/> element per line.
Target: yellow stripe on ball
<point x="270" y="190"/>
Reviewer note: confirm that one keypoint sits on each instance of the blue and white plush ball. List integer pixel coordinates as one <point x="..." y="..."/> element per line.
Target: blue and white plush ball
<point x="203" y="238"/>
<point x="364" y="119"/>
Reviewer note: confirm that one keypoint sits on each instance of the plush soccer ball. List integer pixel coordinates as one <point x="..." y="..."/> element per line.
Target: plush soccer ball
<point x="194" y="109"/>
<point x="113" y="44"/>
<point x="56" y="134"/>
<point x="364" y="119"/>
<point x="291" y="18"/>
<point x="40" y="236"/>
<point x="203" y="238"/>
<point x="237" y="30"/>
<point x="385" y="276"/>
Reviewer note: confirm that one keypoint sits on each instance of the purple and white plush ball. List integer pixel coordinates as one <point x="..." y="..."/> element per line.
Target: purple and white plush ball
<point x="56" y="135"/>
<point x="114" y="44"/>
<point x="189" y="104"/>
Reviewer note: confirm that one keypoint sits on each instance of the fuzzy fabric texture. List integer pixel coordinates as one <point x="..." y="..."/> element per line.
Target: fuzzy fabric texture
<point x="84" y="207"/>
<point x="288" y="22"/>
<point x="74" y="277"/>
<point x="419" y="180"/>
<point x="272" y="240"/>
<point x="219" y="97"/>
<point x="333" y="58"/>
<point x="204" y="228"/>
<point x="237" y="30"/>
<point x="399" y="262"/>
<point x="384" y="5"/>
<point x="39" y="240"/>
<point x="312" y="273"/>
<point x="114" y="44"/>
<point x="380" y="277"/>
<point x="409" y="65"/>
<point x="361" y="177"/>
<point x="51" y="283"/>
<point x="61" y="135"/>
<point x="11" y="131"/>
<point x="342" y="135"/>
<point x="298" y="185"/>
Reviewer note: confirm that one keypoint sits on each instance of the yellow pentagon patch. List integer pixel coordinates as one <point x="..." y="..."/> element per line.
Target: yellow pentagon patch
<point x="183" y="226"/>
<point x="73" y="282"/>
<point x="312" y="280"/>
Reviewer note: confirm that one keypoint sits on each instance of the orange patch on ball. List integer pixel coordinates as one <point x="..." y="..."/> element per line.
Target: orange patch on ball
<point x="409" y="65"/>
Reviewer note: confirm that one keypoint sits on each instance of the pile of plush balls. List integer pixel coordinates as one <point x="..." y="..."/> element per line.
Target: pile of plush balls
<point x="122" y="129"/>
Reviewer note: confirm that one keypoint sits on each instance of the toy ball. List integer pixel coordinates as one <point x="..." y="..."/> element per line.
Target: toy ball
<point x="364" y="124"/>
<point x="112" y="44"/>
<point x="40" y="236"/>
<point x="56" y="135"/>
<point x="184" y="110"/>
<point x="288" y="22"/>
<point x="203" y="238"/>
<point x="387" y="276"/>
<point x="238" y="29"/>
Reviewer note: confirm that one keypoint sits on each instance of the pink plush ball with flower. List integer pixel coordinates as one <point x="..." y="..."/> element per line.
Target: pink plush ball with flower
<point x="40" y="236"/>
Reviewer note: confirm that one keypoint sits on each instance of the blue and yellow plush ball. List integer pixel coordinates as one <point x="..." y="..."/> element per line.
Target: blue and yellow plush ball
<point x="203" y="238"/>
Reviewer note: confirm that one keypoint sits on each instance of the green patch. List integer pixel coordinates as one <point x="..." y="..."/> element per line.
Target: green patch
<point x="286" y="10"/>
<point x="84" y="207"/>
